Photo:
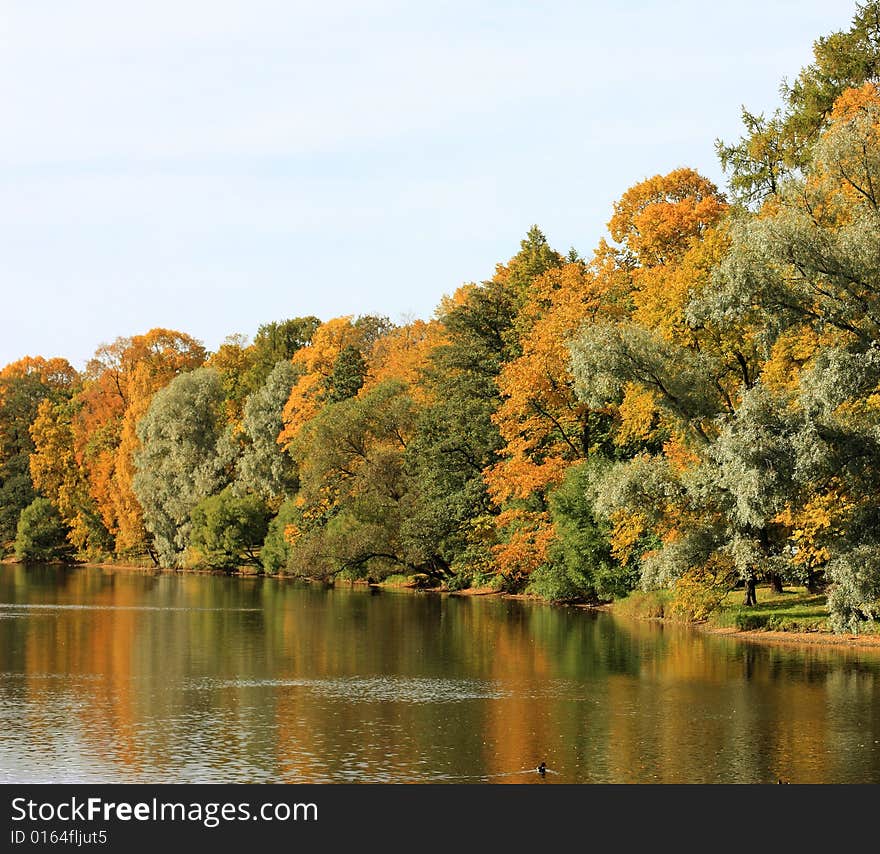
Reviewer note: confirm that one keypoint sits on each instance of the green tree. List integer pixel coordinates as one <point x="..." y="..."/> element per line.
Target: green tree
<point x="353" y="487"/>
<point x="580" y="565"/>
<point x="277" y="552"/>
<point x="355" y="492"/>
<point x="179" y="462"/>
<point x="807" y="274"/>
<point x="263" y="468"/>
<point x="535" y="257"/>
<point x="278" y="341"/>
<point x="41" y="533"/>
<point x="349" y="372"/>
<point x="228" y="529"/>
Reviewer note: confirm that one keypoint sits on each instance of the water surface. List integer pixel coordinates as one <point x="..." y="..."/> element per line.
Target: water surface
<point x="117" y="676"/>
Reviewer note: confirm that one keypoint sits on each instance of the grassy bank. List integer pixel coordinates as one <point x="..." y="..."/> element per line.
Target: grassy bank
<point x="793" y="610"/>
<point x="795" y="613"/>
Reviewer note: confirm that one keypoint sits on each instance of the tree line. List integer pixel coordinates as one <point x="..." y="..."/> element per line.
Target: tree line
<point x="695" y="405"/>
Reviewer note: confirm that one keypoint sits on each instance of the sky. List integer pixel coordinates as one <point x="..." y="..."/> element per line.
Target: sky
<point x="212" y="166"/>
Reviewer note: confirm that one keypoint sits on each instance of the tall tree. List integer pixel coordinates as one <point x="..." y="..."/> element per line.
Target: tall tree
<point x="353" y="486"/>
<point x="263" y="468"/>
<point x="777" y="147"/>
<point x="58" y="473"/>
<point x="120" y="383"/>
<point x="23" y="386"/>
<point x="178" y="462"/>
<point x="457" y="439"/>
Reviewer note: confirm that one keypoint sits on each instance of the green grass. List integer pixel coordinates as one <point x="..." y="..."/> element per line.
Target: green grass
<point x="793" y="610"/>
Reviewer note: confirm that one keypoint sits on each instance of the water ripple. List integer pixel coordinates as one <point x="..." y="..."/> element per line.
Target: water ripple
<point x="377" y="689"/>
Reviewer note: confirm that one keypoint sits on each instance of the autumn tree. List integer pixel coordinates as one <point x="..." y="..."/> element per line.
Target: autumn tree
<point x="765" y="383"/>
<point x="544" y="425"/>
<point x="631" y="299"/>
<point x="59" y="474"/>
<point x="404" y="353"/>
<point x="24" y="385"/>
<point x="545" y="428"/>
<point x="330" y="368"/>
<point x="234" y="361"/>
<point x="119" y="385"/>
<point x="672" y="375"/>
<point x="457" y="440"/>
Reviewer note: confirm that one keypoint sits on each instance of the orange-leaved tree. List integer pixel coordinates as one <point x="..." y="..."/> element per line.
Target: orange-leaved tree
<point x="120" y="382"/>
<point x="24" y="384"/>
<point x="332" y="367"/>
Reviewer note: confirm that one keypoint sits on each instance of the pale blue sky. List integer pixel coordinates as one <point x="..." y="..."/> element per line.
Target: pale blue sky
<point x="210" y="166"/>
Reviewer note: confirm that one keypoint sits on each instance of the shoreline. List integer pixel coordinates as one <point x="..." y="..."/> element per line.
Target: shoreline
<point x="799" y="639"/>
<point x="763" y="636"/>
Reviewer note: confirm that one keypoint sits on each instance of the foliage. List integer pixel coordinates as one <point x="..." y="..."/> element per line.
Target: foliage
<point x="263" y="468"/>
<point x="349" y="372"/>
<point x="699" y="592"/>
<point x="119" y="384"/>
<point x="279" y="342"/>
<point x="336" y="354"/>
<point x="41" y="534"/>
<point x="59" y="474"/>
<point x="775" y="148"/>
<point x="277" y="550"/>
<point x="691" y="408"/>
<point x="23" y="386"/>
<point x="353" y="486"/>
<point x="178" y="463"/>
<point x="228" y="529"/>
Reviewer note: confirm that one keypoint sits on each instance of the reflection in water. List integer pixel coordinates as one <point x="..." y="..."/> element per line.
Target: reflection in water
<point x="118" y="676"/>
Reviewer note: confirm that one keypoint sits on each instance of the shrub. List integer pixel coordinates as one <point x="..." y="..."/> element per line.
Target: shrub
<point x="698" y="593"/>
<point x="748" y="622"/>
<point x="41" y="533"/>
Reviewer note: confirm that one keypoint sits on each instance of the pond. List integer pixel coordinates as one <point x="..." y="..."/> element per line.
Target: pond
<point x="122" y="676"/>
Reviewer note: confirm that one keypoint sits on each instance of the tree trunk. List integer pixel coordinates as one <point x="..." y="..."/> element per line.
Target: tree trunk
<point x="812" y="584"/>
<point x="750" y="599"/>
<point x="775" y="580"/>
